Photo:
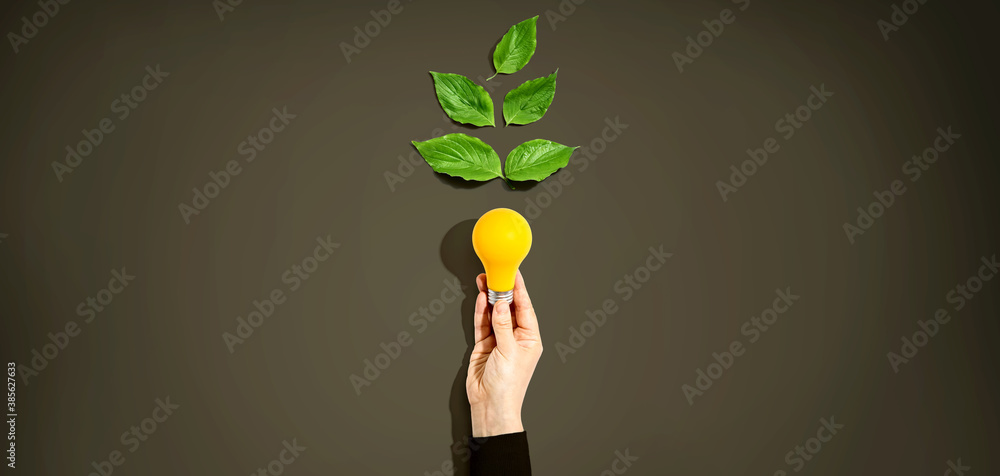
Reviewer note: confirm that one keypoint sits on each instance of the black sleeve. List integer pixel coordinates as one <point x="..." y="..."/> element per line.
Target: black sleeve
<point x="500" y="455"/>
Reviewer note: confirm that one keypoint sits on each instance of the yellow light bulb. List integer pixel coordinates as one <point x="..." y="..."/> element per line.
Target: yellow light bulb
<point x="501" y="238"/>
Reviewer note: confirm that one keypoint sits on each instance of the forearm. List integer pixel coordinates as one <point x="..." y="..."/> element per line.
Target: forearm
<point x="491" y="420"/>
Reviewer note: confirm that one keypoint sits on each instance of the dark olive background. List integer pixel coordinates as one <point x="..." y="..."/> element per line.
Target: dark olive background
<point x="654" y="185"/>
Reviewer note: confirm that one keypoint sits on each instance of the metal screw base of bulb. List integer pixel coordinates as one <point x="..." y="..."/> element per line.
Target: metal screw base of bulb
<point x="494" y="296"/>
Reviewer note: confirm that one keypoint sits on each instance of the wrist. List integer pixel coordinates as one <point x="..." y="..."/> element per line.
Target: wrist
<point x="492" y="420"/>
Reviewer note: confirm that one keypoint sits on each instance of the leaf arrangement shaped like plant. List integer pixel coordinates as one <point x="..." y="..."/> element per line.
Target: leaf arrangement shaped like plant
<point x="464" y="101"/>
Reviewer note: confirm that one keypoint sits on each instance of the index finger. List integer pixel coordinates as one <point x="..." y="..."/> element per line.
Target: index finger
<point x="481" y="318"/>
<point x="481" y="282"/>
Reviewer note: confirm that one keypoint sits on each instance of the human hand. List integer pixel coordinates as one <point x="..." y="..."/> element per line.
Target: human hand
<point x="507" y="348"/>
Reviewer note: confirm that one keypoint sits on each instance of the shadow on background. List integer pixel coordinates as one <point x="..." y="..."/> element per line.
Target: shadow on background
<point x="460" y="183"/>
<point x="460" y="259"/>
<point x="457" y="182"/>
<point x="489" y="56"/>
<point x="524" y="186"/>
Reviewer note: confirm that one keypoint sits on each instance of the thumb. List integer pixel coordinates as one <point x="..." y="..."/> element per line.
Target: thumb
<point x="503" y="328"/>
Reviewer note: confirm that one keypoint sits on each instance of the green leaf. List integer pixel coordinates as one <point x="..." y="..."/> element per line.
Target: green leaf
<point x="462" y="156"/>
<point x="537" y="159"/>
<point x="529" y="102"/>
<point x="516" y="47"/>
<point x="463" y="100"/>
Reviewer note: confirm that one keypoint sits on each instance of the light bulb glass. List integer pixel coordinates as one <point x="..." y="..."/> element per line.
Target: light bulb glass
<point x="502" y="239"/>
